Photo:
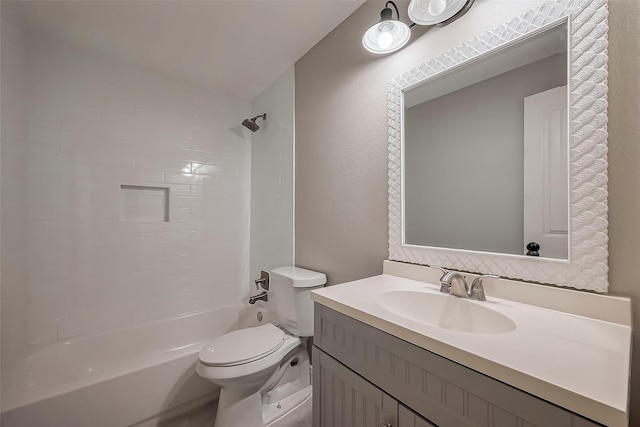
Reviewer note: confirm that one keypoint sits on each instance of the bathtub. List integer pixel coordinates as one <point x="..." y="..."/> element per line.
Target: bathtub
<point x="135" y="376"/>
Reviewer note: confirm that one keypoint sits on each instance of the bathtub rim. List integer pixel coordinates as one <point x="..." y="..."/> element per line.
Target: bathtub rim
<point x="23" y="395"/>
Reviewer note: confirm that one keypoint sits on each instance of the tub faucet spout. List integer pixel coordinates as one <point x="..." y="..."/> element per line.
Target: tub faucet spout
<point x="262" y="296"/>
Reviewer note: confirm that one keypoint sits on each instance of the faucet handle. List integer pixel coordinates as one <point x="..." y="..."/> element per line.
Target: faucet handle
<point x="445" y="288"/>
<point x="263" y="281"/>
<point x="444" y="270"/>
<point x="477" y="289"/>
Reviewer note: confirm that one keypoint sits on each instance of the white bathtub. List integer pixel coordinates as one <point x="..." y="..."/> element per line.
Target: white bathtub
<point x="132" y="376"/>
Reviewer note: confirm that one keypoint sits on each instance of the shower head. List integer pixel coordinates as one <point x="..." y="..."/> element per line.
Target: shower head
<point x="251" y="123"/>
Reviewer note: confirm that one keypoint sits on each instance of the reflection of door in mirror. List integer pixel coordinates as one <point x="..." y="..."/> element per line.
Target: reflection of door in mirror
<point x="545" y="172"/>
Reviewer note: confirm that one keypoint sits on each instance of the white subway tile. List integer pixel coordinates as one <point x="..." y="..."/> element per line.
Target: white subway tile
<point x="43" y="272"/>
<point x="49" y="151"/>
<point x="119" y="91"/>
<point x="45" y="135"/>
<point x="118" y="131"/>
<point x="176" y="307"/>
<point x="149" y="162"/>
<point x="197" y="191"/>
<point x="95" y="126"/>
<point x="149" y="176"/>
<point x="184" y="201"/>
<point x="196" y="213"/>
<point x="79" y="322"/>
<point x="88" y="97"/>
<point x="183" y="178"/>
<point x="45" y="118"/>
<point x="150" y="308"/>
<point x="176" y="225"/>
<point x="196" y="225"/>
<point x="180" y="190"/>
<point x="134" y="227"/>
<point x="121" y="105"/>
<point x="200" y="156"/>
<point x="48" y="288"/>
<point x="81" y="111"/>
<point x="206" y="169"/>
<point x="41" y="333"/>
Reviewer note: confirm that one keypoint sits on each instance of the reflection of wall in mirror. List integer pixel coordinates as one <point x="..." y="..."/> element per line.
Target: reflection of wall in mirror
<point x="464" y="161"/>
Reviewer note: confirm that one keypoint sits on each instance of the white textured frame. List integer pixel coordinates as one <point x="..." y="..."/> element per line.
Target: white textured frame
<point x="587" y="266"/>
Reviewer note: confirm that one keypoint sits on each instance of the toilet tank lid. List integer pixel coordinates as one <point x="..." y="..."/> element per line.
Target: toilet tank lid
<point x="301" y="278"/>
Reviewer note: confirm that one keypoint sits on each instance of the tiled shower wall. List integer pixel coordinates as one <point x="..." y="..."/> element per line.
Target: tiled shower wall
<point x="95" y="125"/>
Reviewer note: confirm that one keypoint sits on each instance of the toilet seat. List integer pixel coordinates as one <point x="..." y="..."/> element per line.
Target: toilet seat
<point x="242" y="346"/>
<point x="248" y="369"/>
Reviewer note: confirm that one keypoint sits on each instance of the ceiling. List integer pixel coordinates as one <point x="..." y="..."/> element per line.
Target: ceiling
<point x="234" y="48"/>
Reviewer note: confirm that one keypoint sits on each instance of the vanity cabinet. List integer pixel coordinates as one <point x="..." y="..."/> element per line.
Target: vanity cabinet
<point x="366" y="377"/>
<point x="345" y="399"/>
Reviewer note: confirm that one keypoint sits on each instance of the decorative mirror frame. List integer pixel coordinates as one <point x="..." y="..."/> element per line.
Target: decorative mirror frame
<point x="587" y="266"/>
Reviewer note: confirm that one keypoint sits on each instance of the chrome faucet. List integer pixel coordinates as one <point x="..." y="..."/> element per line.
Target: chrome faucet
<point x="262" y="296"/>
<point x="445" y="288"/>
<point x="454" y="283"/>
<point x="477" y="289"/>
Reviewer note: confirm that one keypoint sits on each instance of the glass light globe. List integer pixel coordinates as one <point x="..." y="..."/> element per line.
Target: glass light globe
<point x="432" y="12"/>
<point x="436" y="7"/>
<point x="432" y="7"/>
<point x="386" y="36"/>
<point x="385" y="39"/>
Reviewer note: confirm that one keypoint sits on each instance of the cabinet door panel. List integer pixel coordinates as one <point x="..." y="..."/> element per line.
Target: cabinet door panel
<point x="342" y="398"/>
<point x="407" y="418"/>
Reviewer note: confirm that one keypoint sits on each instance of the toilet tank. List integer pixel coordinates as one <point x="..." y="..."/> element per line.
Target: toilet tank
<point x="290" y="291"/>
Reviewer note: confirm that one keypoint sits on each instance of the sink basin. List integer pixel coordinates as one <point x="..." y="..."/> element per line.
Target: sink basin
<point x="445" y="311"/>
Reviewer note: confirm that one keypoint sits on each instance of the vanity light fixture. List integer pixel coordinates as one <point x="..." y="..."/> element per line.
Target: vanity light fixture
<point x="438" y="12"/>
<point x="387" y="35"/>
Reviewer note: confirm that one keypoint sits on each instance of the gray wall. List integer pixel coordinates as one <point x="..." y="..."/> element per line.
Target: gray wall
<point x="341" y="145"/>
<point x="624" y="169"/>
<point x="464" y="185"/>
<point x="341" y="135"/>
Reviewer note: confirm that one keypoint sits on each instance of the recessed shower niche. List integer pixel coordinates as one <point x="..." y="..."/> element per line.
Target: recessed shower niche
<point x="139" y="203"/>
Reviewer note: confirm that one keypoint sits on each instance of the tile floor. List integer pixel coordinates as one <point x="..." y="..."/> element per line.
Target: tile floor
<point x="202" y="416"/>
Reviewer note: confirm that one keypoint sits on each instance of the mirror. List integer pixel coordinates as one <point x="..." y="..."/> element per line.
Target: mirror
<point x="481" y="145"/>
<point x="453" y="202"/>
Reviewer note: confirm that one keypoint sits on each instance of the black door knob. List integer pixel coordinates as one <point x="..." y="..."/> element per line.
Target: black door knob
<point x="532" y="249"/>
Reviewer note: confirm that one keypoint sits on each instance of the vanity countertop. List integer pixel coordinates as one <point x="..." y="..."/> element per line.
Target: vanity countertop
<point x="578" y="362"/>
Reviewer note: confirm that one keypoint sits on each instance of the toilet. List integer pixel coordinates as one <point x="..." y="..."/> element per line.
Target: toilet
<point x="264" y="371"/>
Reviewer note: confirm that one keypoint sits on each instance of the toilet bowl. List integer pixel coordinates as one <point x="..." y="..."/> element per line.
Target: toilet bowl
<point x="264" y="371"/>
<point x="242" y="362"/>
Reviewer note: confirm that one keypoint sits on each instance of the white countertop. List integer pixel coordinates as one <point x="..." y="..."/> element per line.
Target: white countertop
<point x="576" y="362"/>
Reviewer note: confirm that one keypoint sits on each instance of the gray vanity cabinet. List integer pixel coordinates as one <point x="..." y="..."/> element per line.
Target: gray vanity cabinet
<point x="407" y="418"/>
<point x="345" y="399"/>
<point x="366" y="377"/>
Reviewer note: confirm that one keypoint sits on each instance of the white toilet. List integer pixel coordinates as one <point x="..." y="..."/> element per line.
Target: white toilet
<point x="264" y="371"/>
